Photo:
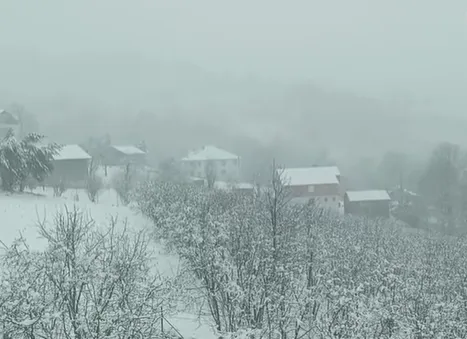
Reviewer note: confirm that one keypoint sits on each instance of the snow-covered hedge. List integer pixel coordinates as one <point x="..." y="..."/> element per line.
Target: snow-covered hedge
<point x="274" y="270"/>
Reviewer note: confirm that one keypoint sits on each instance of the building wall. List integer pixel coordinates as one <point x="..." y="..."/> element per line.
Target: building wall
<point x="72" y="172"/>
<point x="373" y="209"/>
<point x="137" y="159"/>
<point x="326" y="195"/>
<point x="343" y="185"/>
<point x="315" y="190"/>
<point x="226" y="170"/>
<point x="112" y="157"/>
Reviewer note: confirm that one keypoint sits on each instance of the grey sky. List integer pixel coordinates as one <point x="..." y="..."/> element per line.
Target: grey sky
<point x="374" y="47"/>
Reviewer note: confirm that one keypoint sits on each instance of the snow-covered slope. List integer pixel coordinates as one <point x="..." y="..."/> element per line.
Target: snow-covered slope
<point x="19" y="214"/>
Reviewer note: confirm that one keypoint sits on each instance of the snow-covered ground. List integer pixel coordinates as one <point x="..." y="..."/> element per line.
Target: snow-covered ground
<point x="19" y="214"/>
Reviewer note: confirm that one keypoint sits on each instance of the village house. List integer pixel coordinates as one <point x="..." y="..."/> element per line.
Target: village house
<point x="124" y="155"/>
<point x="224" y="165"/>
<point x="374" y="203"/>
<point x="71" y="167"/>
<point x="9" y="121"/>
<point x="320" y="183"/>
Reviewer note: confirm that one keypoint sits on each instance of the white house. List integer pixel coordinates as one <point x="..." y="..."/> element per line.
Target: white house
<point x="9" y="121"/>
<point x="225" y="165"/>
<point x="71" y="166"/>
<point x="320" y="183"/>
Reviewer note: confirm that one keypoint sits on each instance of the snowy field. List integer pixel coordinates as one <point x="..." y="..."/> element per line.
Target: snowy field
<point x="19" y="214"/>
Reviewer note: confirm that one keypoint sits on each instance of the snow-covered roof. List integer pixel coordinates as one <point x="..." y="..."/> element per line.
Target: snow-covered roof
<point x="319" y="175"/>
<point x="209" y="153"/>
<point x="72" y="152"/>
<point x="373" y="195"/>
<point x="129" y="150"/>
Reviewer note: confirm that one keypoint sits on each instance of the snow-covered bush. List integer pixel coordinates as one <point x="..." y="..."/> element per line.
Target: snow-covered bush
<point x="90" y="282"/>
<point x="275" y="270"/>
<point x="59" y="187"/>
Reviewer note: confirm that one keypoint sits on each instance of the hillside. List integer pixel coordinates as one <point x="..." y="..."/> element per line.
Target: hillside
<point x="20" y="213"/>
<point x="174" y="105"/>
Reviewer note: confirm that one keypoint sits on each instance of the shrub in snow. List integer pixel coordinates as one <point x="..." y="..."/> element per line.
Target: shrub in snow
<point x="90" y="282"/>
<point x="59" y="188"/>
<point x="269" y="269"/>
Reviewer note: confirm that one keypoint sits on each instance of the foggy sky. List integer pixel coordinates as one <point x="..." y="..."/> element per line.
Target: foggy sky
<point x="372" y="47"/>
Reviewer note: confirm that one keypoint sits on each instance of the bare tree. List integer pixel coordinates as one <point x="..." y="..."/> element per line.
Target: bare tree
<point x="94" y="183"/>
<point x="90" y="282"/>
<point x="123" y="184"/>
<point x="210" y="172"/>
<point x="280" y="237"/>
<point x="441" y="182"/>
<point x="59" y="187"/>
<point x="270" y="269"/>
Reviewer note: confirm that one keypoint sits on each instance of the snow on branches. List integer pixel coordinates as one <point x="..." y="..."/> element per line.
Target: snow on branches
<point x="25" y="159"/>
<point x="269" y="269"/>
<point x="90" y="282"/>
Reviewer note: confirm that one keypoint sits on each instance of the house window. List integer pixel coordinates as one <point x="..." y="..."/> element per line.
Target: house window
<point x="311" y="189"/>
<point x="333" y="198"/>
<point x="325" y="199"/>
<point x="224" y="163"/>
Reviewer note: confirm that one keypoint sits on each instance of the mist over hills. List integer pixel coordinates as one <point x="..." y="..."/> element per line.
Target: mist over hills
<point x="175" y="106"/>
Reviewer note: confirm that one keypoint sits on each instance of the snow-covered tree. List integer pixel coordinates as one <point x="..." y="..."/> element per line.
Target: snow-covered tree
<point x="238" y="246"/>
<point x="270" y="269"/>
<point x="210" y="173"/>
<point x="90" y="282"/>
<point x="23" y="159"/>
<point x="94" y="183"/>
<point x="443" y="187"/>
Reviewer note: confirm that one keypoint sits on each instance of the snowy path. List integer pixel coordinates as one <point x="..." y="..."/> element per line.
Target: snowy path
<point x="20" y="213"/>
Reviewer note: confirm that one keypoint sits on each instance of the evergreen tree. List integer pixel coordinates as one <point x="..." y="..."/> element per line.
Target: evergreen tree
<point x="28" y="158"/>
